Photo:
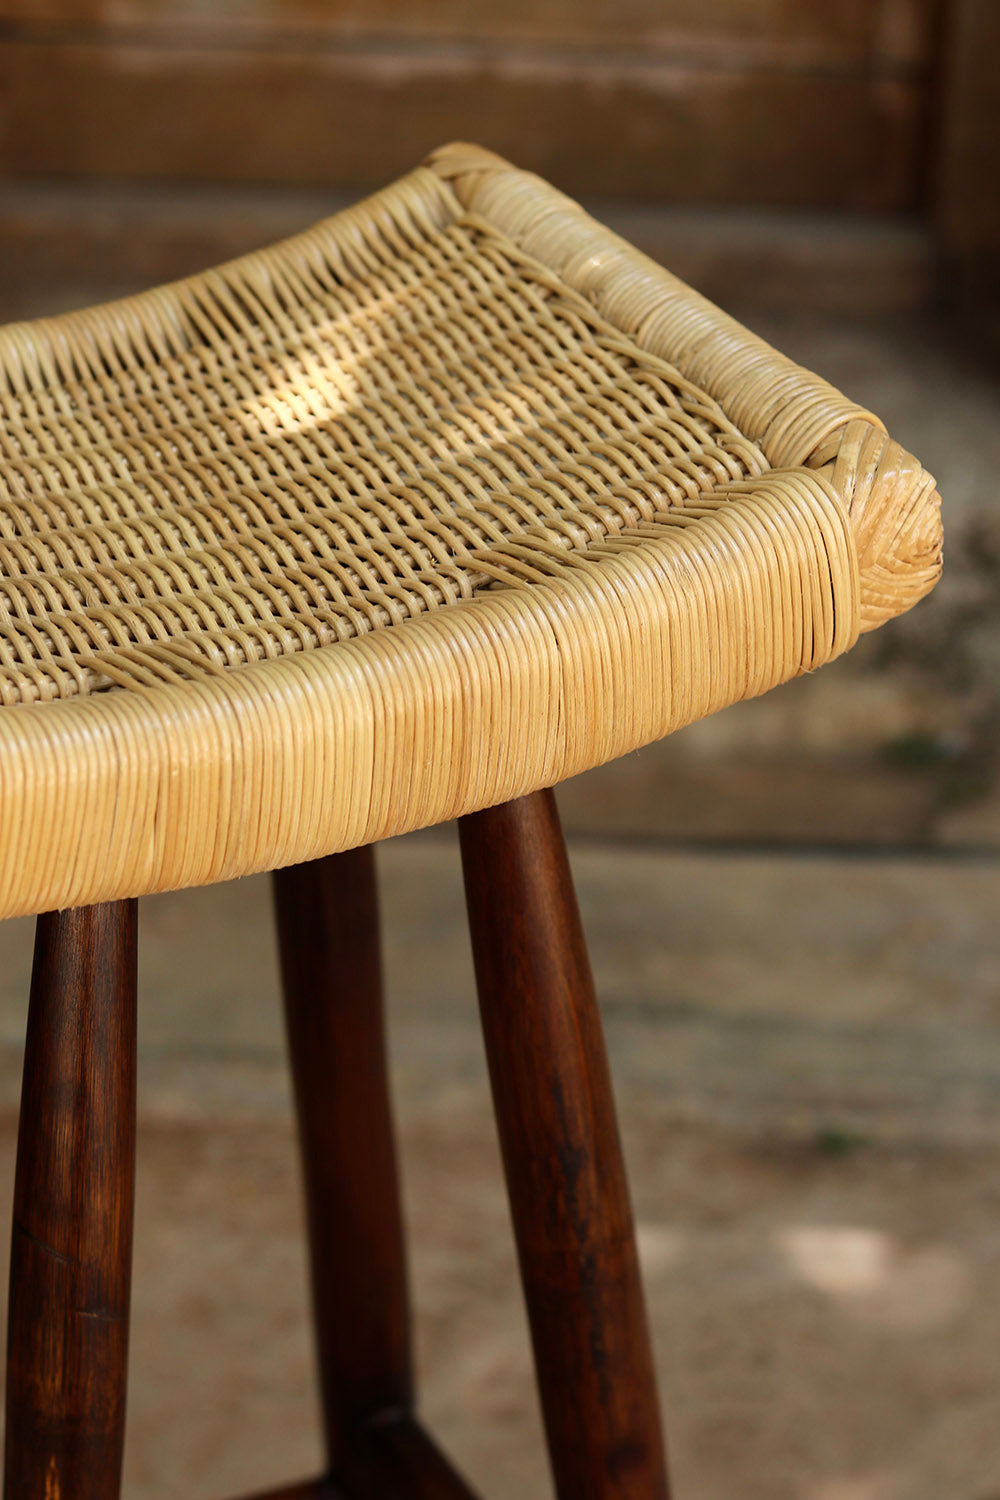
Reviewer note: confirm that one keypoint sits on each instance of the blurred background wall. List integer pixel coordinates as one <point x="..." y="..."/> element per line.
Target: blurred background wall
<point x="871" y="107"/>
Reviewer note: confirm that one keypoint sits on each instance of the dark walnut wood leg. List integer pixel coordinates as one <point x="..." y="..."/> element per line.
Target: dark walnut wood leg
<point x="562" y="1156"/>
<point x="73" y="1199"/>
<point x="328" y="933"/>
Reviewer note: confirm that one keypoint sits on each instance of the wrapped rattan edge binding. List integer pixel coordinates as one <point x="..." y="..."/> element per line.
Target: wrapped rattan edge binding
<point x="796" y="417"/>
<point x="172" y="785"/>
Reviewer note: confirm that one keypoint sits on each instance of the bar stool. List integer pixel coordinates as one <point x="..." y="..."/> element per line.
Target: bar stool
<point x="402" y="520"/>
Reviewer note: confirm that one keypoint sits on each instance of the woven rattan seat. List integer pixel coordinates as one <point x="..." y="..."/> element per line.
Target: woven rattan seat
<point x="444" y="500"/>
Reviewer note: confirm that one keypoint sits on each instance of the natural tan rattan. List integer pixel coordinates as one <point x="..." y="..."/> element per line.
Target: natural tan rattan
<point x="446" y="499"/>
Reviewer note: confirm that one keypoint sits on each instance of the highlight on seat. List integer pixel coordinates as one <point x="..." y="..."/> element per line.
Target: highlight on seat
<point x="442" y="501"/>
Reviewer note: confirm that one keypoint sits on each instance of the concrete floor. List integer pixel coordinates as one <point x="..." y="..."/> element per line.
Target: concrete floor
<point x="807" y="1055"/>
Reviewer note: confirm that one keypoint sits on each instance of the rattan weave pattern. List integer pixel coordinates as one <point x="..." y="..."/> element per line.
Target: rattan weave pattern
<point x="337" y="453"/>
<point x="444" y="500"/>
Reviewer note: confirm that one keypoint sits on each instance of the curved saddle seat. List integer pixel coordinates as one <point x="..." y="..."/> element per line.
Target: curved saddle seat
<point x="446" y="499"/>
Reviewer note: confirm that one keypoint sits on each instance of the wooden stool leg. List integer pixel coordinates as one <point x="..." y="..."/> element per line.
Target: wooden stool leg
<point x="328" y="935"/>
<point x="562" y="1157"/>
<point x="73" y="1198"/>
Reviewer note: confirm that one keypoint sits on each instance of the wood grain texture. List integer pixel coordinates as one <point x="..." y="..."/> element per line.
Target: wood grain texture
<point x="327" y="917"/>
<point x="826" y="32"/>
<point x="562" y="1156"/>
<point x="404" y="1463"/>
<point x="968" y="185"/>
<point x="641" y="126"/>
<point x="401" y="1462"/>
<point x="309" y="1489"/>
<point x="73" y="1206"/>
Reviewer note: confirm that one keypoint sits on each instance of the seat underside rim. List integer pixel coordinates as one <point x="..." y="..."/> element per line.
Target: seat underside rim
<point x="127" y="793"/>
